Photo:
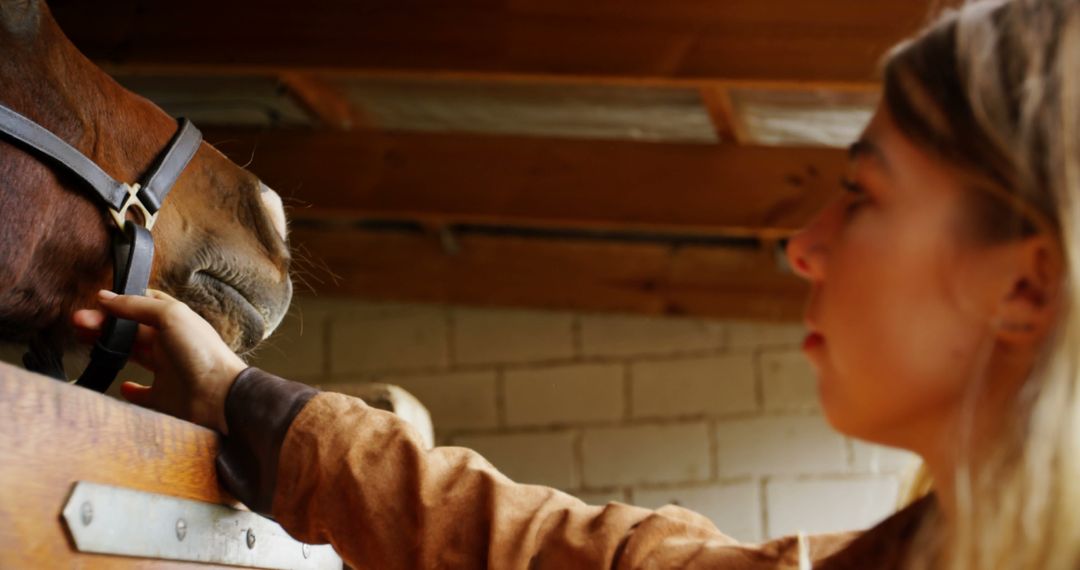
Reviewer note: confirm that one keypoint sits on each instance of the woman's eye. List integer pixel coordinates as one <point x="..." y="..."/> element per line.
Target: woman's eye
<point x="857" y="196"/>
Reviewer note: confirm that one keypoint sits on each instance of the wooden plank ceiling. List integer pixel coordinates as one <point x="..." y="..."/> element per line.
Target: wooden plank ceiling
<point x="644" y="156"/>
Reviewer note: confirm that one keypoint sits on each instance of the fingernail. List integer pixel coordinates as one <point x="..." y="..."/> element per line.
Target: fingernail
<point x="106" y="295"/>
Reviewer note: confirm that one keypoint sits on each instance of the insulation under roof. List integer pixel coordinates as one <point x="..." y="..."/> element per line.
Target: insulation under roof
<point x="774" y="116"/>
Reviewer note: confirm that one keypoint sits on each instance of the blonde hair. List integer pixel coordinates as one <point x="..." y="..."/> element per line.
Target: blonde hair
<point x="994" y="87"/>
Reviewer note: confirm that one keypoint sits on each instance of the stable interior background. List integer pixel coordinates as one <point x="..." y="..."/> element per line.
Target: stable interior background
<point x="559" y="224"/>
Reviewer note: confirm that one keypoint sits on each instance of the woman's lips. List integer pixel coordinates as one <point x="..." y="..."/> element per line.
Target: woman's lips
<point x="812" y="341"/>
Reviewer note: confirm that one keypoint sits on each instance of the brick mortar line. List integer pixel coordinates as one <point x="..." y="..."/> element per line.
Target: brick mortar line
<point x="642" y="358"/>
<point x="328" y="342"/>
<point x="648" y="485"/>
<point x="450" y="317"/>
<point x="729" y="481"/>
<point x="719" y="420"/>
<point x="366" y="307"/>
<point x="763" y="505"/>
<point x="714" y="449"/>
<point x="578" y="458"/>
<point x="331" y="377"/>
<point x="577" y="339"/>
<point x="759" y="382"/>
<point x="827" y="477"/>
<point x="601" y="489"/>
<point x="666" y="486"/>
<point x="501" y="414"/>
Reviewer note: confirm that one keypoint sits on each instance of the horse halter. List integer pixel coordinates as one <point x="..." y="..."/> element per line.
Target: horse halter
<point x="133" y="246"/>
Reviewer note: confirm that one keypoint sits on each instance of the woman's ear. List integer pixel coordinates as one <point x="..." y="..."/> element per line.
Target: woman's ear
<point x="1027" y="309"/>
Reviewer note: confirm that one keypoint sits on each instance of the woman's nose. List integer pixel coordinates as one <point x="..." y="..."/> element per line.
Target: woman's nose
<point x="805" y="252"/>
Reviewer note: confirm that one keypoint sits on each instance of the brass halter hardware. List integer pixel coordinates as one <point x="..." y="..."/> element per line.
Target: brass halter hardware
<point x="132" y="200"/>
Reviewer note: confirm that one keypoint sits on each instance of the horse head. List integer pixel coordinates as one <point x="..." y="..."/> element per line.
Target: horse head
<point x="220" y="235"/>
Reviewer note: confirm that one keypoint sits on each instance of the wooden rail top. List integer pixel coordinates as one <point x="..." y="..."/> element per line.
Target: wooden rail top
<point x="54" y="434"/>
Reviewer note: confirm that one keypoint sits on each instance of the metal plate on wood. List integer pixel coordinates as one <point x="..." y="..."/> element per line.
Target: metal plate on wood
<point x="112" y="520"/>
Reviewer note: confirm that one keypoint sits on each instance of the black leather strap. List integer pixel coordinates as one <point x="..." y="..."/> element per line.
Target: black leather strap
<point x="134" y="253"/>
<point x="133" y="246"/>
<point x="161" y="178"/>
<point x="30" y="134"/>
<point x="156" y="183"/>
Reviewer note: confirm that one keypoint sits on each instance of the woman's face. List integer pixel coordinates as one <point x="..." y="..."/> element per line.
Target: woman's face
<point x="899" y="308"/>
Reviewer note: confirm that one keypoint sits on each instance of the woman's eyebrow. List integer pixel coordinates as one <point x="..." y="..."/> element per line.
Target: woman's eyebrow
<point x="867" y="148"/>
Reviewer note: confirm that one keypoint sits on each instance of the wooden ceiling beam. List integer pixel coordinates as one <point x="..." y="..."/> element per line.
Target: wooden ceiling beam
<point x="729" y="127"/>
<point x="332" y="75"/>
<point x="593" y="276"/>
<point x="441" y="179"/>
<point x="323" y="100"/>
<point x="825" y="40"/>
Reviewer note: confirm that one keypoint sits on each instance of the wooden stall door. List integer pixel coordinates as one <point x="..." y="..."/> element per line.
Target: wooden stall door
<point x="53" y="434"/>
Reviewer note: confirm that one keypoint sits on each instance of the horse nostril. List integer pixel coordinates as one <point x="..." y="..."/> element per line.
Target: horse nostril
<point x="272" y="202"/>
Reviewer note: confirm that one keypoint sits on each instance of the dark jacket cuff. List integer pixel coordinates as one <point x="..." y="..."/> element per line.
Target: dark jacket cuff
<point x="259" y="409"/>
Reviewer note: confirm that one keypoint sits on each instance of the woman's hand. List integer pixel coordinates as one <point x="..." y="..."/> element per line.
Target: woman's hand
<point x="193" y="368"/>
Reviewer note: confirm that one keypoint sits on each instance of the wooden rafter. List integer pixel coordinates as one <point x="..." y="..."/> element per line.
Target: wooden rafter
<point x="522" y="181"/>
<point x="729" y="127"/>
<point x="550" y="274"/>
<point x="826" y="40"/>
<point x="321" y="98"/>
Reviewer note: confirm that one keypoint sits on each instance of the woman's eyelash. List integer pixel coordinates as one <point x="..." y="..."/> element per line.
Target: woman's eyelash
<point x="852" y="187"/>
<point x="857" y="193"/>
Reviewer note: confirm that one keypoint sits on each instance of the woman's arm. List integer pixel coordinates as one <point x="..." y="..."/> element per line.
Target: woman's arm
<point x="333" y="470"/>
<point x="362" y="480"/>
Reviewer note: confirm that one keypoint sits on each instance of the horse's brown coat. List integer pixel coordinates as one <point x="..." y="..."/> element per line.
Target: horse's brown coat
<point x="217" y="247"/>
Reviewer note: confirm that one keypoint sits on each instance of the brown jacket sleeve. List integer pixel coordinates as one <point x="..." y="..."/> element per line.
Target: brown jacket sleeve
<point x="359" y="478"/>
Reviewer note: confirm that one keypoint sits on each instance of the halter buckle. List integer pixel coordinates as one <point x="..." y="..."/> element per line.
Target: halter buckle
<point x="132" y="200"/>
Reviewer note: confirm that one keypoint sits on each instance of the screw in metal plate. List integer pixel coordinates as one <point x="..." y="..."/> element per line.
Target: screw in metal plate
<point x="181" y="529"/>
<point x="251" y="538"/>
<point x="306" y="550"/>
<point x="87" y="513"/>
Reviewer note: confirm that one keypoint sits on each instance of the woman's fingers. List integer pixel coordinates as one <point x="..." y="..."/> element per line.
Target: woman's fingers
<point x="160" y="295"/>
<point x="89" y="322"/>
<point x="136" y="394"/>
<point x="146" y="310"/>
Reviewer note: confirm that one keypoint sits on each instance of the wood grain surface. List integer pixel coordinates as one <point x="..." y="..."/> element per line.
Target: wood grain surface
<point x="54" y="434"/>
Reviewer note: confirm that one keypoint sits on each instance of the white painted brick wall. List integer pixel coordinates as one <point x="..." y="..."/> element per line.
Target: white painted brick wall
<point x="602" y="497"/>
<point x="788" y="381"/>
<point x="368" y="340"/>
<point x="779" y="445"/>
<point x="672" y="388"/>
<point x="581" y="393"/>
<point x="752" y="335"/>
<point x="735" y="509"/>
<point x="646" y="454"/>
<point x="297" y="348"/>
<point x="456" y="400"/>
<point x="872" y="458"/>
<point x="623" y="335"/>
<point x="828" y="505"/>
<point x="493" y="336"/>
<point x="538" y="458"/>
